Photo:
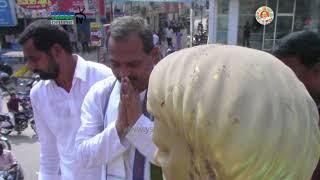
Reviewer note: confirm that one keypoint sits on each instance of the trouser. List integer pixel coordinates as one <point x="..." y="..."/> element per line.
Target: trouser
<point x="75" y="46"/>
<point x="169" y="40"/>
<point x="85" y="47"/>
<point x="246" y="42"/>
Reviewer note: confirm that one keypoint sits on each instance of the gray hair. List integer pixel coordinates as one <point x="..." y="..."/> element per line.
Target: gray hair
<point x="122" y="27"/>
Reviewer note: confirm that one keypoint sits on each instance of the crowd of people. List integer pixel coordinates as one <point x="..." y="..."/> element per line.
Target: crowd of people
<point x="206" y="112"/>
<point x="170" y="37"/>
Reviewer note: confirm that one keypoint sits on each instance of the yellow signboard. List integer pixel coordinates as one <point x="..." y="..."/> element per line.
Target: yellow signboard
<point x="95" y="34"/>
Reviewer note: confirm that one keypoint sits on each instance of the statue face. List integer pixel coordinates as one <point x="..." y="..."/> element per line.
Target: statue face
<point x="173" y="154"/>
<point x="211" y="116"/>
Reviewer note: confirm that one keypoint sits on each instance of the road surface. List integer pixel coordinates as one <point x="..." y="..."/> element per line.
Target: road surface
<point x="26" y="149"/>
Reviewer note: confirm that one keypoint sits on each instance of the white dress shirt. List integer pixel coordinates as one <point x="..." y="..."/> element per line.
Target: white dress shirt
<point x="57" y="117"/>
<point x="97" y="145"/>
<point x="155" y="39"/>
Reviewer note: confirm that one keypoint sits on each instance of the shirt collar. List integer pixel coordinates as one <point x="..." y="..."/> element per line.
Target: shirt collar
<point x="80" y="71"/>
<point x="142" y="95"/>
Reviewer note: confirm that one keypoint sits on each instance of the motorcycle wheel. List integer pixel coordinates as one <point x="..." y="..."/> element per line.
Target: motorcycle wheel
<point x="6" y="145"/>
<point x="5" y="131"/>
<point x="21" y="124"/>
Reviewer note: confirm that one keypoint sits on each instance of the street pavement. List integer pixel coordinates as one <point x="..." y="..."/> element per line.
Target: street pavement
<point x="26" y="150"/>
<point x="25" y="147"/>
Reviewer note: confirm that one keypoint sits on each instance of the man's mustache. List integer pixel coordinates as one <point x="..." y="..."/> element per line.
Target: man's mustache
<point x="37" y="71"/>
<point x="131" y="78"/>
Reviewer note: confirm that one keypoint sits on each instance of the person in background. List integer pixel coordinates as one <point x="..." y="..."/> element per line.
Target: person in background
<point x="8" y="41"/>
<point x="178" y="39"/>
<point x="13" y="103"/>
<point x="157" y="43"/>
<point x="7" y="159"/>
<point x="13" y="107"/>
<point x="161" y="36"/>
<point x="301" y="52"/>
<point x="84" y="40"/>
<point x="246" y="35"/>
<point x="169" y="35"/>
<point x="73" y="40"/>
<point x="200" y="28"/>
<point x="56" y="99"/>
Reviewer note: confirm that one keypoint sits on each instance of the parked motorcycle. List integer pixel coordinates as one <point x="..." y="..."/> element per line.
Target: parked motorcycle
<point x="25" y="99"/>
<point x="23" y="86"/>
<point x="200" y="38"/>
<point x="18" y="120"/>
<point x="5" y="73"/>
<point x="27" y="110"/>
<point x="12" y="173"/>
<point x="4" y="67"/>
<point x="6" y="85"/>
<point x="18" y="85"/>
<point x="170" y="50"/>
<point x="5" y="142"/>
<point x="21" y="120"/>
<point x="5" y="124"/>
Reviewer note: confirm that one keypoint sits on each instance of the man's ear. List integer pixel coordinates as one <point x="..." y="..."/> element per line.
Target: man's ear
<point x="56" y="51"/>
<point x="155" y="53"/>
<point x="316" y="68"/>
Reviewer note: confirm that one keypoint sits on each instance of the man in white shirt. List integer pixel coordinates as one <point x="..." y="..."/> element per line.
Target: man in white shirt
<point x="116" y="130"/>
<point x="169" y="35"/>
<point x="155" y="39"/>
<point x="57" y="98"/>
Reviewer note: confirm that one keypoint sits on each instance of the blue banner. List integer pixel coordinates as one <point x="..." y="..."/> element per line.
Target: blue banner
<point x="7" y="13"/>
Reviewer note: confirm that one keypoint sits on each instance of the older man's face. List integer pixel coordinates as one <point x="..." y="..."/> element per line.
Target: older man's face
<point x="128" y="59"/>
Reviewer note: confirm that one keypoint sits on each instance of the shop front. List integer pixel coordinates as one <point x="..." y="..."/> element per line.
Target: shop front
<point x="237" y="24"/>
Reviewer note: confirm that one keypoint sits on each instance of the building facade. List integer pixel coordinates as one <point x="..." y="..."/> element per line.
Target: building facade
<point x="234" y="21"/>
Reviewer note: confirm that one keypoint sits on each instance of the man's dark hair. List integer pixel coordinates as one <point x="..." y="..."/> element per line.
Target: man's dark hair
<point x="1" y="146"/>
<point x="304" y="45"/>
<point x="122" y="27"/>
<point x="45" y="35"/>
